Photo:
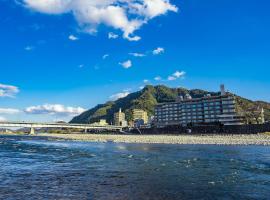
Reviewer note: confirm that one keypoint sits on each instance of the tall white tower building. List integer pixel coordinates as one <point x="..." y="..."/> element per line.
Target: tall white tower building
<point x="262" y="116"/>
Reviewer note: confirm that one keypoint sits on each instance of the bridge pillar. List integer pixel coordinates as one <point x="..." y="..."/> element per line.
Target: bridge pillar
<point x="85" y="130"/>
<point x="32" y="131"/>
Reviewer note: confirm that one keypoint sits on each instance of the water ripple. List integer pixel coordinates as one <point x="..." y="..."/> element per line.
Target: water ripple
<point x="37" y="168"/>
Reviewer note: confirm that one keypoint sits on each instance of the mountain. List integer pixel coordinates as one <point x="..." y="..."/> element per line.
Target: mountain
<point x="150" y="96"/>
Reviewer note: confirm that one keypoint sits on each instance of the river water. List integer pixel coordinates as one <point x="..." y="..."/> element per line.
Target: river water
<point x="39" y="168"/>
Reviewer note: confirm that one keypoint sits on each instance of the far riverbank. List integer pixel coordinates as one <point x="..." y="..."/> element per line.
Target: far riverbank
<point x="256" y="139"/>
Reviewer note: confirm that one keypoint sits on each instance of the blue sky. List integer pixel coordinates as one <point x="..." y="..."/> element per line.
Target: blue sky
<point x="60" y="63"/>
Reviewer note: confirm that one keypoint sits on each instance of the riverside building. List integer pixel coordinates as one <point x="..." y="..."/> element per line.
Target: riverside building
<point x="198" y="111"/>
<point x="120" y="118"/>
<point x="140" y="117"/>
<point x="138" y="114"/>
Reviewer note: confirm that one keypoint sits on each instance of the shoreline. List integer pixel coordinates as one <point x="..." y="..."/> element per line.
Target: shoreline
<point x="258" y="139"/>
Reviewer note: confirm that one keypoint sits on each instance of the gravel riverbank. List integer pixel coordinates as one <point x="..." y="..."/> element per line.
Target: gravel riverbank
<point x="260" y="139"/>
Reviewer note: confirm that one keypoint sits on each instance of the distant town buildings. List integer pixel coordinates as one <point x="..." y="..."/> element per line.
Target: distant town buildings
<point x="140" y="117"/>
<point x="120" y="118"/>
<point x="205" y="110"/>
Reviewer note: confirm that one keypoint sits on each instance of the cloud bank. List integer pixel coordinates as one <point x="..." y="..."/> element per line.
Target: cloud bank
<point x="9" y="111"/>
<point x="125" y="15"/>
<point x="8" y="90"/>
<point x="54" y="109"/>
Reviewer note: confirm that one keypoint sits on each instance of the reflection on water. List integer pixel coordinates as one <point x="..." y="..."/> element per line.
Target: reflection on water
<point x="37" y="168"/>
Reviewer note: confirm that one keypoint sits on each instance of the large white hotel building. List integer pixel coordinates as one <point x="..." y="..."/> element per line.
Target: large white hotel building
<point x="198" y="111"/>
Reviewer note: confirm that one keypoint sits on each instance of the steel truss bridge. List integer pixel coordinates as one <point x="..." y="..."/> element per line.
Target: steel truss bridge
<point x="33" y="126"/>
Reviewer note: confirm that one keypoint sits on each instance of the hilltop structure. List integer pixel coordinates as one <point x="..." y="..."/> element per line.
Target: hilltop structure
<point x="198" y="111"/>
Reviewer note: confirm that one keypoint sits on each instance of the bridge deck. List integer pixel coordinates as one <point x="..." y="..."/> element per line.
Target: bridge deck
<point x="58" y="125"/>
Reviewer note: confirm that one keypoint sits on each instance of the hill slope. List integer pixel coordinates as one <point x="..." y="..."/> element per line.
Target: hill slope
<point x="150" y="96"/>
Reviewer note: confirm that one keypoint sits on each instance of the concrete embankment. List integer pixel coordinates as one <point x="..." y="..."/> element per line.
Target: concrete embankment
<point x="256" y="139"/>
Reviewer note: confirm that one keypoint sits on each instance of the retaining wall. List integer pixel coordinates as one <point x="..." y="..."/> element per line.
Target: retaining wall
<point x="215" y="129"/>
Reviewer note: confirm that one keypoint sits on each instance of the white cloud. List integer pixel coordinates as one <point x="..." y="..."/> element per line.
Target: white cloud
<point x="157" y="78"/>
<point x="125" y="15"/>
<point x="9" y="111"/>
<point x="127" y="90"/>
<point x="141" y="87"/>
<point x="81" y="66"/>
<point x="158" y="51"/>
<point x="134" y="39"/>
<point x="28" y="48"/>
<point x="112" y="35"/>
<point x="119" y="95"/>
<point x="171" y="78"/>
<point x="146" y="81"/>
<point x="54" y="109"/>
<point x="49" y="6"/>
<point x="2" y="119"/>
<point x="137" y="54"/>
<point x="8" y="90"/>
<point x="73" y="38"/>
<point x="154" y="8"/>
<point x="127" y="64"/>
<point x="105" y="56"/>
<point x="176" y="75"/>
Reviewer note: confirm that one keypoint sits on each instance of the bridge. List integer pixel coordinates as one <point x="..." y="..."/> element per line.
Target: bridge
<point x="33" y="126"/>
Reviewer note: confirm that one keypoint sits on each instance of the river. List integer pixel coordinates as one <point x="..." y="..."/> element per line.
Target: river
<point x="41" y="168"/>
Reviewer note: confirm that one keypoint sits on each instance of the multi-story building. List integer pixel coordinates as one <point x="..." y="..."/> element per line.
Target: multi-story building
<point x="138" y="114"/>
<point x="205" y="110"/>
<point x="120" y="118"/>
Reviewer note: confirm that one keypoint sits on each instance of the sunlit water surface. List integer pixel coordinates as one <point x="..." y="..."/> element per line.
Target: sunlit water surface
<point x="38" y="168"/>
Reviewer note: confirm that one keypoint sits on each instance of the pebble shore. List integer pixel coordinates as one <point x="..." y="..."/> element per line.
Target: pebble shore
<point x="259" y="139"/>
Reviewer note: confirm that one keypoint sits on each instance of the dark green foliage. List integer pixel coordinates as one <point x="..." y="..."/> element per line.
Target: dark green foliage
<point x="251" y="110"/>
<point x="150" y="96"/>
